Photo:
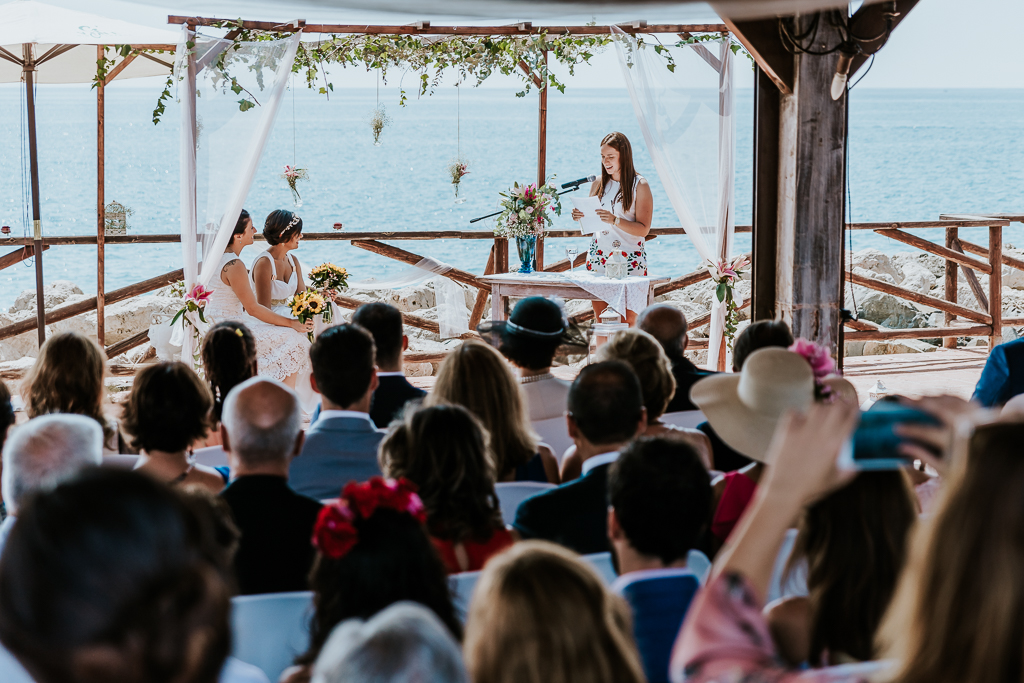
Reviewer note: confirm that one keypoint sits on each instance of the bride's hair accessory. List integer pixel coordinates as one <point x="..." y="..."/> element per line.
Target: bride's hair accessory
<point x="293" y="222"/>
<point x="335" y="533"/>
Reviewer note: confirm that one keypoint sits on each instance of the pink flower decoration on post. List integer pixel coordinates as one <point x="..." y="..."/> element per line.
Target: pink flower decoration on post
<point x="200" y="295"/>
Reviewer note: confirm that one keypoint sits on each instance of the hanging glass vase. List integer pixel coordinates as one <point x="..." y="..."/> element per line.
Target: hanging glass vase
<point x="527" y="247"/>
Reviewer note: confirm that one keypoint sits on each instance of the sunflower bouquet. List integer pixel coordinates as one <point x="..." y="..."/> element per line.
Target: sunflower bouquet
<point x="306" y="305"/>
<point x="328" y="278"/>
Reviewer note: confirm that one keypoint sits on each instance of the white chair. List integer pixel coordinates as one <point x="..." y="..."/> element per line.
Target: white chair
<point x="778" y="587"/>
<point x="120" y="462"/>
<point x="686" y="418"/>
<point x="602" y="563"/>
<point x="211" y="456"/>
<point x="555" y="434"/>
<point x="462" y="586"/>
<point x="512" y="493"/>
<point x="270" y="630"/>
<point x="699" y="564"/>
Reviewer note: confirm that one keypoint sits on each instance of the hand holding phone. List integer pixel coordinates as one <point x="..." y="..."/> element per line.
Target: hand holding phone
<point x="885" y="440"/>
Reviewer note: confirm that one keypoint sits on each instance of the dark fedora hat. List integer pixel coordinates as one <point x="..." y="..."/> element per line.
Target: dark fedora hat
<point x="534" y="319"/>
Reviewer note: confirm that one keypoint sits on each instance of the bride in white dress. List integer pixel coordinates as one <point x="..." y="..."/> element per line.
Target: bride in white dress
<point x="282" y="348"/>
<point x="276" y="275"/>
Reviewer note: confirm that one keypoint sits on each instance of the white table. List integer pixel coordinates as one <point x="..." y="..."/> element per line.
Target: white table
<point x="504" y="285"/>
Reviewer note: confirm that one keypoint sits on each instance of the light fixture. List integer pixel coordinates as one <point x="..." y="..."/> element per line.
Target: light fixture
<point x="842" y="73"/>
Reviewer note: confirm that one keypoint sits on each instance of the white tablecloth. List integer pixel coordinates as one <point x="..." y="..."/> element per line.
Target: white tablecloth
<point x="628" y="294"/>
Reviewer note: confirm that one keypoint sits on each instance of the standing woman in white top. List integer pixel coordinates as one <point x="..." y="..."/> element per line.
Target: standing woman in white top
<point x="626" y="208"/>
<point x="276" y="274"/>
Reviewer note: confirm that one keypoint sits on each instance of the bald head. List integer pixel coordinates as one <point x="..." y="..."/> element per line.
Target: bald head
<point x="262" y="423"/>
<point x="667" y="324"/>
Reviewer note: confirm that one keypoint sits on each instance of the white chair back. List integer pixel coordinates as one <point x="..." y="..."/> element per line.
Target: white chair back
<point x="462" y="586"/>
<point x="686" y="418"/>
<point x="602" y="562"/>
<point x="555" y="434"/>
<point x="120" y="462"/>
<point x="776" y="586"/>
<point x="270" y="630"/>
<point x="11" y="670"/>
<point x="698" y="563"/>
<point x="211" y="456"/>
<point x="512" y="493"/>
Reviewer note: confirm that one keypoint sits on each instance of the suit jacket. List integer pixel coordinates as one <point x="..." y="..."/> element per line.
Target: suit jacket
<point x="337" y="450"/>
<point x="574" y="515"/>
<point x="391" y="395"/>
<point x="687" y="374"/>
<point x="1003" y="376"/>
<point x="275" y="553"/>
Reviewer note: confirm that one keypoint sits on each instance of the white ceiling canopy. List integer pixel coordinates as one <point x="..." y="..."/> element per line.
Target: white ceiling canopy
<point x="63" y="43"/>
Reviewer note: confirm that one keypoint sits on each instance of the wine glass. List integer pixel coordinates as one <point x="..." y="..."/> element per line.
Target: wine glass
<point x="571" y="253"/>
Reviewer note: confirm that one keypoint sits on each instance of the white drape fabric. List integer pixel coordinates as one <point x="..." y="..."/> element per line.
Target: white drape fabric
<point x="686" y="119"/>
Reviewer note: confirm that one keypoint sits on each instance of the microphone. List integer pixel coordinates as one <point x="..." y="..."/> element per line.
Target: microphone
<point x="576" y="183"/>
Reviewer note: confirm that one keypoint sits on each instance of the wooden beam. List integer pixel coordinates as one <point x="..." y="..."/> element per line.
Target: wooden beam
<point x="18" y="255"/>
<point x="995" y="285"/>
<point x="981" y="251"/>
<point x="682" y="281"/>
<point x="767" y="109"/>
<point x="436" y="357"/>
<point x="919" y="333"/>
<point x="525" y="68"/>
<point x="949" y="287"/>
<point x="916" y="225"/>
<point x="411" y="320"/>
<point x="972" y="280"/>
<point x="70" y="311"/>
<point x="761" y="39"/>
<point x="480" y="305"/>
<point x="116" y="71"/>
<point x="931" y="247"/>
<point x="563" y="265"/>
<point x="101" y="201"/>
<point x="871" y="20"/>
<point x="411" y="258"/>
<point x="917" y="297"/>
<point x="127" y="344"/>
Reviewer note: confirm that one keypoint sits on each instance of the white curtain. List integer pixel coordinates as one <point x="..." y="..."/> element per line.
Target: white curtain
<point x="686" y="119"/>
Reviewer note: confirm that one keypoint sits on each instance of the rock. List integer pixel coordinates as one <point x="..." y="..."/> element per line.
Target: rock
<point x="854" y="348"/>
<point x="973" y="342"/>
<point x="935" y="265"/>
<point x="917" y="278"/>
<point x="1012" y="277"/>
<point x="881" y="348"/>
<point x="875" y="261"/>
<point x="890" y="311"/>
<point x="54" y="294"/>
<point x="883" y="277"/>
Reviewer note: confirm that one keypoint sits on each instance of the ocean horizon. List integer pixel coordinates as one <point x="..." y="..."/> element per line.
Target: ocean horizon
<point x="913" y="155"/>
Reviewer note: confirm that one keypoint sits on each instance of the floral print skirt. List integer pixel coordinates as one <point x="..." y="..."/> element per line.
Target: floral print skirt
<point x="602" y="249"/>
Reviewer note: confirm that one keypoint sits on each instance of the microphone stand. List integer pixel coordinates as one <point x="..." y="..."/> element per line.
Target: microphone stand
<point x="557" y="194"/>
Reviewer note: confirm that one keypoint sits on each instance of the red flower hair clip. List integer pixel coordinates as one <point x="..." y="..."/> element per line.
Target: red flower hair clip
<point x="335" y="533"/>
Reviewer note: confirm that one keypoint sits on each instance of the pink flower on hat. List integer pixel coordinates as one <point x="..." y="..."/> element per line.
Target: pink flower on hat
<point x="818" y="356"/>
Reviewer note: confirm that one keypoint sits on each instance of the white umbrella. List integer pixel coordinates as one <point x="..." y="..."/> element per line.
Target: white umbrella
<point x="41" y="43"/>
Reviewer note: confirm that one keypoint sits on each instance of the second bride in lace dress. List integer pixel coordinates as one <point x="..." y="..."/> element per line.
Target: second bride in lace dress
<point x="282" y="348"/>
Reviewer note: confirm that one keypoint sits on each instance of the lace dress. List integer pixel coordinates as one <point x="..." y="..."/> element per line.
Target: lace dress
<point x="280" y="351"/>
<point x="611" y="239"/>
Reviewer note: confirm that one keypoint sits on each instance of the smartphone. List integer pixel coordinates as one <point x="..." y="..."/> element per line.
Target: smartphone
<point x="875" y="444"/>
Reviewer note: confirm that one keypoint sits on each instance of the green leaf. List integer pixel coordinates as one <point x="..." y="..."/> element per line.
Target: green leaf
<point x="178" y="315"/>
<point x="245" y="105"/>
<point x="721" y="291"/>
<point x="201" y="316"/>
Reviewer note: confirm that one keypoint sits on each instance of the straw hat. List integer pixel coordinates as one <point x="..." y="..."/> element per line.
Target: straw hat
<point x="744" y="408"/>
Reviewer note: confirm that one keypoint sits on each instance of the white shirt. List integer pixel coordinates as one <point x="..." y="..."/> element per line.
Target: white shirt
<point x="343" y="413"/>
<point x="5" y="531"/>
<point x="598" y="460"/>
<point x="391" y="373"/>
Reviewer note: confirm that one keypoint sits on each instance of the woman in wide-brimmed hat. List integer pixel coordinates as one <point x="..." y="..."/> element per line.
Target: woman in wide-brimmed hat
<point x="744" y="409"/>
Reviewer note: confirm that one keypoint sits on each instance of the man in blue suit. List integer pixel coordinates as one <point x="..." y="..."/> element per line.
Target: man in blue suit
<point x="341" y="446"/>
<point x="1003" y="376"/>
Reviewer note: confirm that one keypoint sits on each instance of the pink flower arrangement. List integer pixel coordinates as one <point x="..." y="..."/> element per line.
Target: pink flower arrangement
<point x="200" y="295"/>
<point x="195" y="302"/>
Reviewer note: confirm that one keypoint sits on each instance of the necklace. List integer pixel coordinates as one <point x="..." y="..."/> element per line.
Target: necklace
<point x="535" y="378"/>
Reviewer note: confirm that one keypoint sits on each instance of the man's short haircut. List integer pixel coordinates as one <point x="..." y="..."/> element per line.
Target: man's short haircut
<point x="257" y="444"/>
<point x="606" y="402"/>
<point x="404" y="642"/>
<point x="760" y="335"/>
<point x="343" y="358"/>
<point x="667" y="324"/>
<point x="384" y="323"/>
<point x="661" y="494"/>
<point x="46" y="451"/>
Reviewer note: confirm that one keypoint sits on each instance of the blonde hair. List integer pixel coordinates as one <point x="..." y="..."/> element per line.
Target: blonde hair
<point x="958" y="611"/>
<point x="541" y="615"/>
<point x="477" y="377"/>
<point x="67" y="377"/>
<point x="644" y="354"/>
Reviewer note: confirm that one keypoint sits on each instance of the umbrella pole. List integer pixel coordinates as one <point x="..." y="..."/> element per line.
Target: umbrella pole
<point x="33" y="159"/>
<point x="100" y="203"/>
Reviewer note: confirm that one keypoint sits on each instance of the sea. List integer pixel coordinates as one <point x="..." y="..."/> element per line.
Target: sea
<point x="913" y="154"/>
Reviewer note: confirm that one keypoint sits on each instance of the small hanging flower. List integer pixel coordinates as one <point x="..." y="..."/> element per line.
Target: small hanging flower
<point x="293" y="175"/>
<point x="726" y="274"/>
<point x="821" y="363"/>
<point x="379" y="120"/>
<point x="457" y="168"/>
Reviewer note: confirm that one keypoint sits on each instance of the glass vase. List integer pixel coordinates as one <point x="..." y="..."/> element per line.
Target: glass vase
<point x="527" y="248"/>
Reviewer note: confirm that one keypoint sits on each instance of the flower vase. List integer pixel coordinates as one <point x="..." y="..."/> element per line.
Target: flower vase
<point x="527" y="248"/>
<point x="296" y="198"/>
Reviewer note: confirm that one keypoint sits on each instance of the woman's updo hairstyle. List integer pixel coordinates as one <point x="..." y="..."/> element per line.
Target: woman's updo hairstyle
<point x="281" y="226"/>
<point x="240" y="224"/>
<point x="229" y="358"/>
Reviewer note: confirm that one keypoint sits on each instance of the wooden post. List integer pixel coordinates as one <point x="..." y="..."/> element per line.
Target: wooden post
<point x="500" y="255"/>
<point x="995" y="284"/>
<point x="100" y="202"/>
<point x="33" y="160"/>
<point x="481" y="297"/>
<point x="542" y="149"/>
<point x="766" y="196"/>
<point x="950" y="287"/>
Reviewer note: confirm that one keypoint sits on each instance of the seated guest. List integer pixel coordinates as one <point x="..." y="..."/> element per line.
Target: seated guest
<point x="541" y="614"/>
<point x="606" y="412"/>
<point x="744" y="408"/>
<point x="852" y="546"/>
<point x="529" y="339"/>
<point x="476" y="377"/>
<point x="393" y="390"/>
<point x="443" y="451"/>
<point x="107" y="578"/>
<point x="67" y="377"/>
<point x="642" y="352"/>
<point x="404" y="642"/>
<point x="759" y="335"/>
<point x="668" y="325"/>
<point x="372" y="552"/>
<point x="229" y="358"/>
<point x="262" y="431"/>
<point x="659" y="496"/>
<point x="167" y="411"/>
<point x="42" y="453"/>
<point x="1003" y="375"/>
<point x="341" y="446"/>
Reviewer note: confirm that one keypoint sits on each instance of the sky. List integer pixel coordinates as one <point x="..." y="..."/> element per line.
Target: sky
<point x="939" y="45"/>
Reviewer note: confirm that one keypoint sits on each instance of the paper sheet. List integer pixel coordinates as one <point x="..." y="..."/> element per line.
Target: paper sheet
<point x="590" y="223"/>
